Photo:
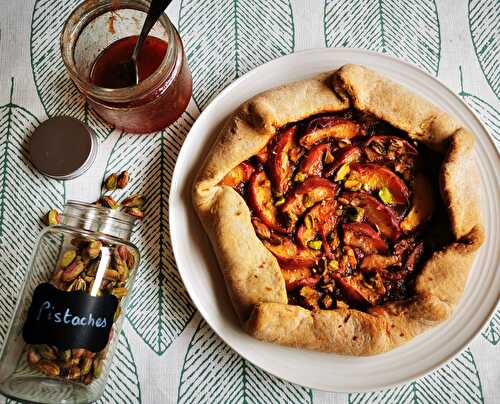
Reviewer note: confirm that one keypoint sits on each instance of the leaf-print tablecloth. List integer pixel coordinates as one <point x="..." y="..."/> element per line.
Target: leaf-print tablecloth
<point x="167" y="353"/>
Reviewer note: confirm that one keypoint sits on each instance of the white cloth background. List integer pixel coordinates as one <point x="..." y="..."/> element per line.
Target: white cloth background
<point x="166" y="360"/>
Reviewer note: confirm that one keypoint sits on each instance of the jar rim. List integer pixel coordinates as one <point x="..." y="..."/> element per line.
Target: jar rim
<point x="90" y="217"/>
<point x="88" y="11"/>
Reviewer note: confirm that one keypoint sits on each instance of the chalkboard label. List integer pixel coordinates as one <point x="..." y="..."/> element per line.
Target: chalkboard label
<point x="69" y="319"/>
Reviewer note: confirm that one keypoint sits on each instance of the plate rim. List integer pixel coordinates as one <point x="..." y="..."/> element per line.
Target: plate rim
<point x="175" y="180"/>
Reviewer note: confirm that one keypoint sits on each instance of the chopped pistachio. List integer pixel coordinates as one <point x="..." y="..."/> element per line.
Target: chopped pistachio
<point x="386" y="196"/>
<point x="328" y="158"/>
<point x="342" y="172"/>
<point x="300" y="176"/>
<point x="314" y="244"/>
<point x="309" y="222"/>
<point x="280" y="201"/>
<point x="333" y="265"/>
<point x="353" y="185"/>
<point x="378" y="147"/>
<point x="308" y="201"/>
<point x="394" y="145"/>
<point x="355" y="213"/>
<point x="327" y="301"/>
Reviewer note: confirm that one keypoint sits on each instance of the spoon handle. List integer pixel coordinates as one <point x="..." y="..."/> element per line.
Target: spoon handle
<point x="156" y="9"/>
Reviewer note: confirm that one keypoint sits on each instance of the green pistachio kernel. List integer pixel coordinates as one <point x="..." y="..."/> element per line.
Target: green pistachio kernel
<point x="342" y="172"/>
<point x="333" y="265"/>
<point x="314" y="244"/>
<point x="300" y="176"/>
<point x="279" y="202"/>
<point x="386" y="196"/>
<point x="355" y="213"/>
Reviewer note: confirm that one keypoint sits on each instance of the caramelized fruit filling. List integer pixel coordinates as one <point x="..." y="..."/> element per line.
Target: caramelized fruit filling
<point x="342" y="201"/>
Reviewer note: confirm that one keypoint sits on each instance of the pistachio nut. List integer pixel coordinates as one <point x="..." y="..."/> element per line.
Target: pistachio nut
<point x="87" y="379"/>
<point x="133" y="201"/>
<point x="65" y="355"/>
<point x="122" y="252"/>
<point x="93" y="249"/>
<point x="48" y="367"/>
<point x="33" y="356"/>
<point x="79" y="241"/>
<point x="122" y="179"/>
<point x="136" y="212"/>
<point x="68" y="258"/>
<point x="86" y="365"/>
<point x="342" y="172"/>
<point x="119" y="292"/>
<point x="97" y="367"/>
<point x="111" y="274"/>
<point x="77" y="284"/>
<point x="130" y="260"/>
<point x="77" y="353"/>
<point x="92" y="269"/>
<point x="52" y="217"/>
<point x="47" y="352"/>
<point x="74" y="373"/>
<point x="122" y="269"/>
<point x="109" y="202"/>
<point x="73" y="270"/>
<point x="110" y="182"/>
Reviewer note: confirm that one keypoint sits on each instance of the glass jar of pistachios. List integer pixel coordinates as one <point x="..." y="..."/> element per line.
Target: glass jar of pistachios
<point x="68" y="318"/>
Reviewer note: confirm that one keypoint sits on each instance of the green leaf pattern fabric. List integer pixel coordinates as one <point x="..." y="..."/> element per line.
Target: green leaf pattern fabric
<point x="166" y="352"/>
<point x="456" y="382"/>
<point x="213" y="373"/>
<point x="25" y="196"/>
<point x="57" y="92"/>
<point x="406" y="29"/>
<point x="226" y="38"/>
<point x="160" y="308"/>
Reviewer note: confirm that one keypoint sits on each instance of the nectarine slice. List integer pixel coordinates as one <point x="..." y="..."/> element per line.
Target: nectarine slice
<point x="311" y="191"/>
<point x="260" y="199"/>
<point x="289" y="254"/>
<point x="239" y="174"/>
<point x="347" y="155"/>
<point x="280" y="160"/>
<point x="423" y="204"/>
<point x="376" y="177"/>
<point x="375" y="213"/>
<point x="362" y="236"/>
<point x="326" y="128"/>
<point x="312" y="163"/>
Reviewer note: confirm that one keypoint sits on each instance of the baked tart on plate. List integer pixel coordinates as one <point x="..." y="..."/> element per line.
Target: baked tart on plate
<point x="343" y="211"/>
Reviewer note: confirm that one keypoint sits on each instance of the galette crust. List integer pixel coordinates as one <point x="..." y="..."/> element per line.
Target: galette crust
<point x="252" y="274"/>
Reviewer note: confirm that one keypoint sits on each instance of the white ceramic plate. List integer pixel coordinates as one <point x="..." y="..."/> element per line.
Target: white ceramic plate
<point x="199" y="271"/>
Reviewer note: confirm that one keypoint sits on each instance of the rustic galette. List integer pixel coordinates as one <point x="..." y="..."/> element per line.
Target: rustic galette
<point x="343" y="211"/>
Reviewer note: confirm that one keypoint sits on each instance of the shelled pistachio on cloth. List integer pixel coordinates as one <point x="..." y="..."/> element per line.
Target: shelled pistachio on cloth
<point x="132" y="205"/>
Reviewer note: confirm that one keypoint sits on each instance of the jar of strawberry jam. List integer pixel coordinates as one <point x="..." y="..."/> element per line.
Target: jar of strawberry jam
<point x="98" y="37"/>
